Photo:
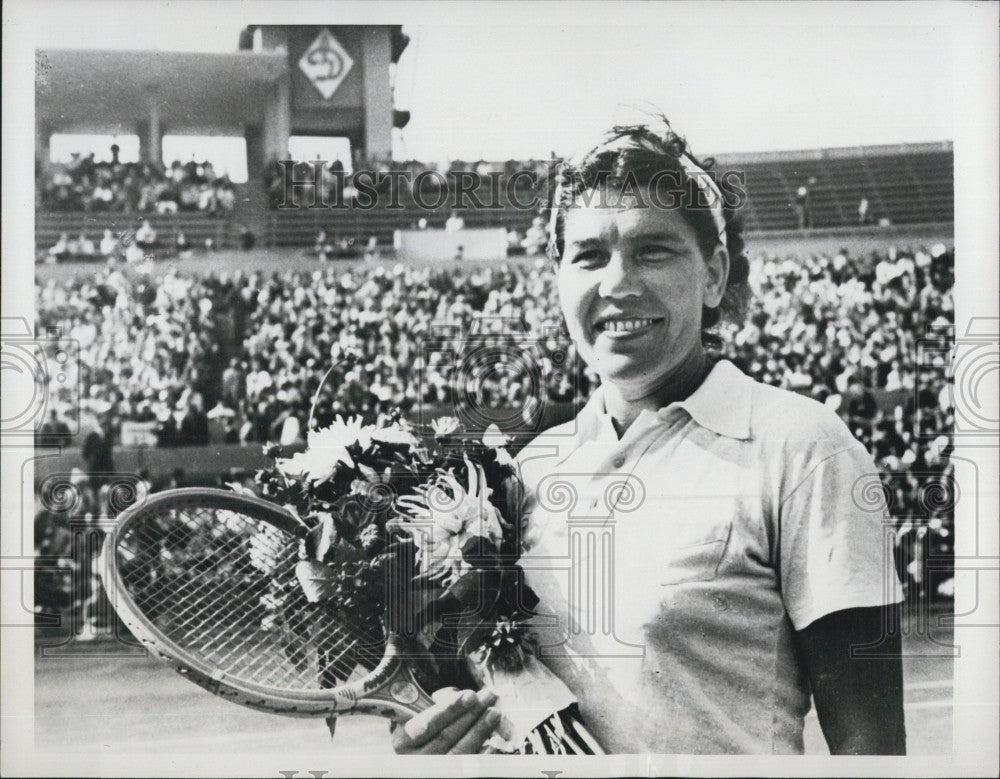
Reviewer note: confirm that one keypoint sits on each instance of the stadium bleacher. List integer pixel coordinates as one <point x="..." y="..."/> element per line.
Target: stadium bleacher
<point x="189" y="309"/>
<point x="197" y="227"/>
<point x="904" y="184"/>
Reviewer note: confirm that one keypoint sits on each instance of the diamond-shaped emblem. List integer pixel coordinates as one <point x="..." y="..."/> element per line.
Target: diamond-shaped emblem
<point x="326" y="63"/>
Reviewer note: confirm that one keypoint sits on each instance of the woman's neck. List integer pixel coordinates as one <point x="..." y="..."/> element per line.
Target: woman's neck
<point x="624" y="403"/>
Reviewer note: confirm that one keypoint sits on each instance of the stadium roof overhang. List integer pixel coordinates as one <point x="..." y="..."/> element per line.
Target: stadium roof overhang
<point x="112" y="91"/>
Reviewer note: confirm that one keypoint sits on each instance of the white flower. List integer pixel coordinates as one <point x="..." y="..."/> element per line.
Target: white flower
<point x="395" y="434"/>
<point x="445" y="515"/>
<point x="315" y="465"/>
<point x="494" y="437"/>
<point x="342" y="433"/>
<point x="445" y="425"/>
<point x="498" y="440"/>
<point x="327" y="448"/>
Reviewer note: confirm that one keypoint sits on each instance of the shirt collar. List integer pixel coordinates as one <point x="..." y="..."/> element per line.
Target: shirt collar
<point x="721" y="404"/>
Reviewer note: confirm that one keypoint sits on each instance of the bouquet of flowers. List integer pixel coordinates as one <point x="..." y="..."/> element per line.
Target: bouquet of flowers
<point x="420" y="536"/>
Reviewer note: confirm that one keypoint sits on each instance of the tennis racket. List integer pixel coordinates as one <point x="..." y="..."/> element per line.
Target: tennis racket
<point x="206" y="580"/>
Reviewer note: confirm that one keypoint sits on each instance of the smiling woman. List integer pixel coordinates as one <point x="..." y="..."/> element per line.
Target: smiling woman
<point x="719" y="567"/>
<point x="651" y="255"/>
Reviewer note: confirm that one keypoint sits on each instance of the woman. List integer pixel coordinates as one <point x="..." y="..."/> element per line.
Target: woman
<point x="707" y="550"/>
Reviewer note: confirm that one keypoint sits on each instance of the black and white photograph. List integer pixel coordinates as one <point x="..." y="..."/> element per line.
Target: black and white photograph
<point x="500" y="388"/>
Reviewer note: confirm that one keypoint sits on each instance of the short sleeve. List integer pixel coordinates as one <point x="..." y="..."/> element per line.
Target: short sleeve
<point x="836" y="540"/>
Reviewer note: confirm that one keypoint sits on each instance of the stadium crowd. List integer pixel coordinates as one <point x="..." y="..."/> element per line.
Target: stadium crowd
<point x="329" y="182"/>
<point x="83" y="184"/>
<point x="239" y="357"/>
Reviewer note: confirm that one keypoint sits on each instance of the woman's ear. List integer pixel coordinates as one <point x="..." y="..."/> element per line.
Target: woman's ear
<point x="716" y="277"/>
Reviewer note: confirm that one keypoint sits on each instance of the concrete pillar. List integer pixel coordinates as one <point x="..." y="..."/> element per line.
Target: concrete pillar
<point x="256" y="158"/>
<point x="376" y="58"/>
<point x="277" y="121"/>
<point x="42" y="135"/>
<point x="155" y="131"/>
<point x="150" y="131"/>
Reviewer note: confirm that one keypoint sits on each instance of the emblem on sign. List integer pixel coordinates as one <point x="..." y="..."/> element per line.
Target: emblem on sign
<point x="326" y="63"/>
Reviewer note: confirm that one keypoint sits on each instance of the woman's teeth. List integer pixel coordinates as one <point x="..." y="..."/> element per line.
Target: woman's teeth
<point x="623" y="325"/>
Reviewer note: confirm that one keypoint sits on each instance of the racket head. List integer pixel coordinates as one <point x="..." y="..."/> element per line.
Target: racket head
<point x="206" y="580"/>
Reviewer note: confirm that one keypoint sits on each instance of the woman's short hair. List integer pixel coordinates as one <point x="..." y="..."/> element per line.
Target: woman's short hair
<point x="637" y="156"/>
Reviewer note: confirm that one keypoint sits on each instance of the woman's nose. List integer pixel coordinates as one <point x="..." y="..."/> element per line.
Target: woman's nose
<point x="617" y="278"/>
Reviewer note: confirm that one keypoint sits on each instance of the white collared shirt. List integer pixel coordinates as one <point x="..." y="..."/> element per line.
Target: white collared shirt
<point x="674" y="565"/>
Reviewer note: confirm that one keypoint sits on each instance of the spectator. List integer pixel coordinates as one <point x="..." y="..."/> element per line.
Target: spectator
<point x="246" y="238"/>
<point x="166" y="429"/>
<point x="53" y="432"/>
<point x="803" y="207"/>
<point x="514" y="242"/>
<point x="454" y="223"/>
<point x="322" y="247"/>
<point x="109" y="244"/>
<point x="97" y="451"/>
<point x="60" y="249"/>
<point x="536" y="239"/>
<point x="145" y="236"/>
<point x="182" y="245"/>
<point x="194" y="423"/>
<point x="287" y="428"/>
<point x="83" y="248"/>
<point x="219" y="417"/>
<point x="233" y="383"/>
<point x="133" y="252"/>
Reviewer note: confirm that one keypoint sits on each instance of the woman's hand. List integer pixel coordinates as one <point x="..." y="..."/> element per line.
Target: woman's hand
<point x="458" y="723"/>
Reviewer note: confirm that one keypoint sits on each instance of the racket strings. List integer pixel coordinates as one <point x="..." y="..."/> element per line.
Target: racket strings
<point x="221" y="585"/>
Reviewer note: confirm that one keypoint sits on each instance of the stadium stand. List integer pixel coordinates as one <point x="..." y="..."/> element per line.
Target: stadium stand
<point x="197" y="228"/>
<point x="210" y="365"/>
<point x="904" y="184"/>
<point x="216" y="360"/>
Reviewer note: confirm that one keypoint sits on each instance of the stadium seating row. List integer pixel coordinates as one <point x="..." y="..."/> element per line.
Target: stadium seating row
<point x="908" y="186"/>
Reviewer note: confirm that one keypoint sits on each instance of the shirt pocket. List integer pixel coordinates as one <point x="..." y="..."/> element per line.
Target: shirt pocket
<point x="694" y="554"/>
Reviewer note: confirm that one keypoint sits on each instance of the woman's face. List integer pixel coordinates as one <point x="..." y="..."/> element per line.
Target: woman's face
<point x="632" y="283"/>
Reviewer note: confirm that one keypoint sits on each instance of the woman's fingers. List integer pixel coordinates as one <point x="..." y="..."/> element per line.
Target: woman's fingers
<point x="449" y="735"/>
<point x="456" y="722"/>
<point x="445" y="694"/>
<point x="472" y="741"/>
<point x="427" y="724"/>
<point x="457" y="730"/>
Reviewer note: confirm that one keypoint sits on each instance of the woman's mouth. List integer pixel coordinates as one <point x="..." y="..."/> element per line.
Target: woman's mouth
<point x="624" y="328"/>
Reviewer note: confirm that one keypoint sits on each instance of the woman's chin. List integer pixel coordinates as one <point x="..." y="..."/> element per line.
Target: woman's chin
<point x="624" y="369"/>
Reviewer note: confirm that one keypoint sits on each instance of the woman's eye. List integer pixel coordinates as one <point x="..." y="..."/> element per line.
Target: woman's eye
<point x="587" y="257"/>
<point x="655" y="252"/>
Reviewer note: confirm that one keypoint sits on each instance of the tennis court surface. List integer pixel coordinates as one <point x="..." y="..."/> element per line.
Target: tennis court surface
<point x="101" y="697"/>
